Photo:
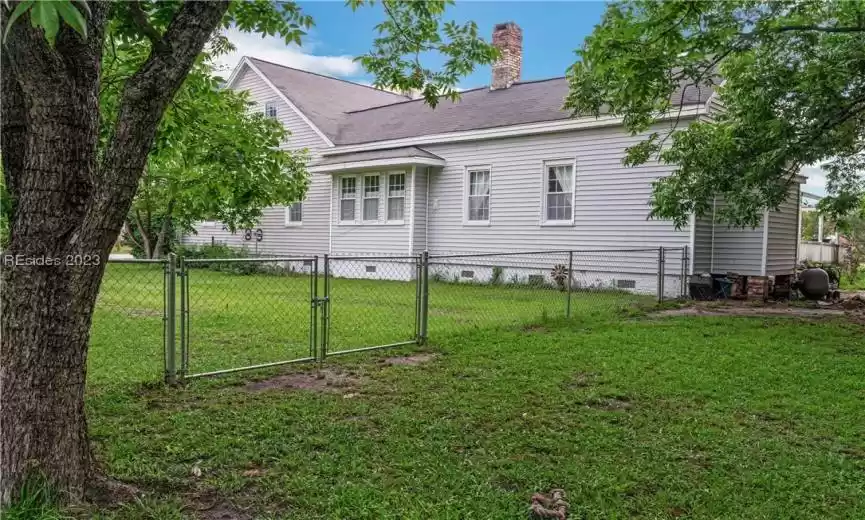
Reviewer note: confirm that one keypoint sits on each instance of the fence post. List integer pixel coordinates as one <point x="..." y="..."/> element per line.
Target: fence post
<point x="424" y="301"/>
<point x="170" y="337"/>
<point x="325" y="312"/>
<point x="184" y="315"/>
<point x="418" y="273"/>
<point x="314" y="301"/>
<point x="661" y="274"/>
<point x="570" y="282"/>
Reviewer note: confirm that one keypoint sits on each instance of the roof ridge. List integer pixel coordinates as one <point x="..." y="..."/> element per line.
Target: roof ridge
<point x="327" y="77"/>
<point x="406" y="101"/>
<point x="461" y="92"/>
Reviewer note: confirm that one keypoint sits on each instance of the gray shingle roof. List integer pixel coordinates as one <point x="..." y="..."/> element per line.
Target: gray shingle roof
<point x="373" y="155"/>
<point x="324" y="100"/>
<point x="349" y="113"/>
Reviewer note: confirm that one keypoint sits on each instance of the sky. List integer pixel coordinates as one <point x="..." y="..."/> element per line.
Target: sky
<point x="552" y="31"/>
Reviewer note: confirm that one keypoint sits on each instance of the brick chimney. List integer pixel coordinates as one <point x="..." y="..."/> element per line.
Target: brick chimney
<point x="508" y="38"/>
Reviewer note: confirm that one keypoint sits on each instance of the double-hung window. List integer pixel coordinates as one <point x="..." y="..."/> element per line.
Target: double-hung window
<point x="558" y="200"/>
<point x="371" y="196"/>
<point x="478" y="207"/>
<point x="396" y="197"/>
<point x="270" y="109"/>
<point x="347" y="199"/>
<point x="294" y="214"/>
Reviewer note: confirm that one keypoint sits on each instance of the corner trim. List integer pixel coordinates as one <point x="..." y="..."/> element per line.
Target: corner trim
<point x="693" y="243"/>
<point x="765" y="242"/>
<point x="411" y="210"/>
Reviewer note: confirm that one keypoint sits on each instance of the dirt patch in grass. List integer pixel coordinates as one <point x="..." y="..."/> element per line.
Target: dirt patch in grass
<point x="412" y="360"/>
<point x="320" y="381"/>
<point x="535" y="328"/>
<point x="584" y="380"/>
<point x="209" y="506"/>
<point x="735" y="308"/>
<point x="610" y="404"/>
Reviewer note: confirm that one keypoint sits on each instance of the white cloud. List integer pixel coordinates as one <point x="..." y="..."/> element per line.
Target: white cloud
<point x="816" y="183"/>
<point x="273" y="48"/>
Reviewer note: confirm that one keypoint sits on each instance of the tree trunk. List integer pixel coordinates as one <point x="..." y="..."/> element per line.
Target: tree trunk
<point x="161" y="240"/>
<point x="67" y="212"/>
<point x="144" y="234"/>
<point x="50" y="278"/>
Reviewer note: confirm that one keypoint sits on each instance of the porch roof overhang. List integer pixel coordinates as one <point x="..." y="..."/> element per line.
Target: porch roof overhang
<point x="372" y="159"/>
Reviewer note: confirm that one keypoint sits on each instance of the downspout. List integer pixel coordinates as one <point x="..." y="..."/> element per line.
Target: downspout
<point x="330" y="195"/>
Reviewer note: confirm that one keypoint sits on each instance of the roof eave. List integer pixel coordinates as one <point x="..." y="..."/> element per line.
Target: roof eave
<point x="371" y="164"/>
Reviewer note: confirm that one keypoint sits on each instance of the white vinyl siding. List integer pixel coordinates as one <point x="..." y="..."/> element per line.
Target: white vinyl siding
<point x="279" y="239"/>
<point x="478" y="195"/>
<point x="611" y="202"/>
<point x="386" y="236"/>
<point x="371" y="197"/>
<point x="396" y="197"/>
<point x="783" y="240"/>
<point x="721" y="248"/>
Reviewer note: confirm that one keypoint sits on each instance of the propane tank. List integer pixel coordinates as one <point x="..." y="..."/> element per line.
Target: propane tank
<point x="814" y="283"/>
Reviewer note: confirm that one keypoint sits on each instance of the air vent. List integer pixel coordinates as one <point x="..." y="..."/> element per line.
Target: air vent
<point x="626" y="284"/>
<point x="467" y="274"/>
<point x="370" y="268"/>
<point x="307" y="263"/>
<point x="536" y="279"/>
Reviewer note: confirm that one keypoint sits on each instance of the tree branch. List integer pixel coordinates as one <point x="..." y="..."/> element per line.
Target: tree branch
<point x="817" y="28"/>
<point x="145" y="97"/>
<point x="139" y="17"/>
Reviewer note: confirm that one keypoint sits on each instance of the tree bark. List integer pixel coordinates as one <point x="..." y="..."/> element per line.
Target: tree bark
<point x="67" y="212"/>
<point x="145" y="235"/>
<point x="158" y="251"/>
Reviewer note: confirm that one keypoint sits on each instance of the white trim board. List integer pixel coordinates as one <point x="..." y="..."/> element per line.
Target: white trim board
<point x="375" y="163"/>
<point x="507" y="131"/>
<point x="765" y="259"/>
<point x="245" y="61"/>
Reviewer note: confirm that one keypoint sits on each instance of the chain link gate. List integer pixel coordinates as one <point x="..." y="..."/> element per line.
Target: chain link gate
<point x="273" y="301"/>
<point x="392" y="300"/>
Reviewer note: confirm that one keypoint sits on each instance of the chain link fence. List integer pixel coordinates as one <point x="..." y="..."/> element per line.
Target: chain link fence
<point x="129" y="331"/>
<point x="246" y="313"/>
<point x="372" y="302"/>
<point x="214" y="316"/>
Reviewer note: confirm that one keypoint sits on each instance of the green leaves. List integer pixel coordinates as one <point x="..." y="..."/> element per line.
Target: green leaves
<point x="47" y="15"/>
<point x="793" y="94"/>
<point x="414" y="32"/>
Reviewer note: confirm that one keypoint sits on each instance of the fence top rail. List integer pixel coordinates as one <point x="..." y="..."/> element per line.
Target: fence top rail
<point x="257" y="259"/>
<point x="559" y="252"/>
<point x="137" y="260"/>
<point x="412" y="258"/>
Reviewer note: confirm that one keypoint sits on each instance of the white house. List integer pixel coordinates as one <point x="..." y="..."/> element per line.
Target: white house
<point x="503" y="169"/>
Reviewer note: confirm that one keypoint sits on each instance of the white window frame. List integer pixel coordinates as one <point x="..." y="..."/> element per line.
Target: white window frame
<point x="293" y="223"/>
<point x="467" y="192"/>
<point x="275" y="106"/>
<point x="544" y="180"/>
<point x="387" y="197"/>
<point x="340" y="198"/>
<point x="364" y="198"/>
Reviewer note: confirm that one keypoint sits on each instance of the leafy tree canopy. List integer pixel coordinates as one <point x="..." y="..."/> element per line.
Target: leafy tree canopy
<point x="789" y="76"/>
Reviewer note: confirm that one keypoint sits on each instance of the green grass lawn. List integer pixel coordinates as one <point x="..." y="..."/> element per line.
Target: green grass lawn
<point x="635" y="417"/>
